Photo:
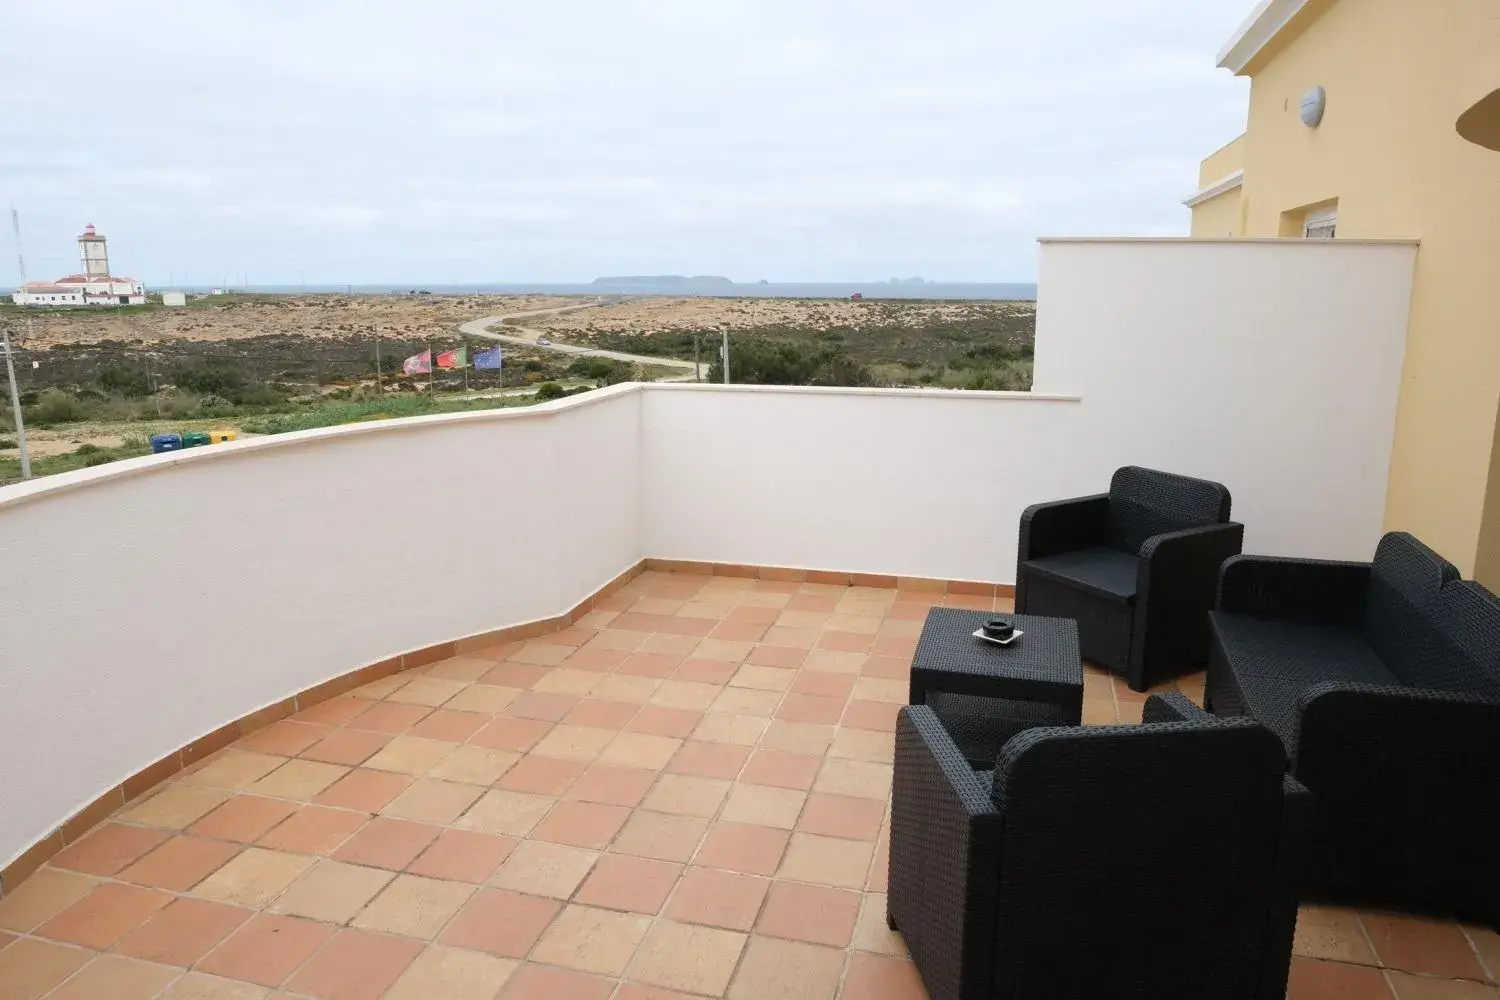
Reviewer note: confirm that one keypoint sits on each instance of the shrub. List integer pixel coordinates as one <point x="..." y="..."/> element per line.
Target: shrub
<point x="8" y="443"/>
<point x="53" y="406"/>
<point x="123" y="379"/>
<point x="208" y="376"/>
<point x="532" y="365"/>
<point x="550" y="390"/>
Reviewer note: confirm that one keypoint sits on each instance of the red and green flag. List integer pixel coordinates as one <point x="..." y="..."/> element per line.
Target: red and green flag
<point x="418" y="364"/>
<point x="454" y="359"/>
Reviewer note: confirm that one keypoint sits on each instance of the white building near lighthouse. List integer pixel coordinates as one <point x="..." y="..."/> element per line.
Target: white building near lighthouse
<point x="94" y="286"/>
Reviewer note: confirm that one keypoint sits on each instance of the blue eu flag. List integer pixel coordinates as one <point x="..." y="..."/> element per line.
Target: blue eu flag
<point x="488" y="359"/>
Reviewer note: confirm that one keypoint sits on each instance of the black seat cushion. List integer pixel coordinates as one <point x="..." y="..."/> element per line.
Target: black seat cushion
<point x="1109" y="573"/>
<point x="1298" y="651"/>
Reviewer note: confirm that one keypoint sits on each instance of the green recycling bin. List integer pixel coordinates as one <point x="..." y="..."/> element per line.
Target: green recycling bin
<point x="193" y="439"/>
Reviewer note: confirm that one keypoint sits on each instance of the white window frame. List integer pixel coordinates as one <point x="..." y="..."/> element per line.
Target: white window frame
<point x="1321" y="225"/>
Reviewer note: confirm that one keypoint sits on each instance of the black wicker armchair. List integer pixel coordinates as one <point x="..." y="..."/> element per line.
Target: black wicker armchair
<point x="1135" y="567"/>
<point x="1154" y="861"/>
<point x="1383" y="682"/>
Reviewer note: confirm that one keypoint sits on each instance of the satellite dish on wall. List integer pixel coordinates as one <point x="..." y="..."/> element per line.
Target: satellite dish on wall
<point x="1313" y="103"/>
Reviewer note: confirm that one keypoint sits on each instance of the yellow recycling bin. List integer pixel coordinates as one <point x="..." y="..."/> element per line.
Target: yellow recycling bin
<point x="219" y="437"/>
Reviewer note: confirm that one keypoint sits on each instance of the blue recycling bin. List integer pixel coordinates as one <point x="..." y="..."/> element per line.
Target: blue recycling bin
<point x="165" y="442"/>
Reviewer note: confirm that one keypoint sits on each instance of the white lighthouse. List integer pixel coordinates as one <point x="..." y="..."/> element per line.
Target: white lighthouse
<point x="93" y="250"/>
<point x="93" y="286"/>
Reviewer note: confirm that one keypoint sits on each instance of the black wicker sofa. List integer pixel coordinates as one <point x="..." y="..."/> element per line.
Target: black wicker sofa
<point x="1383" y="682"/>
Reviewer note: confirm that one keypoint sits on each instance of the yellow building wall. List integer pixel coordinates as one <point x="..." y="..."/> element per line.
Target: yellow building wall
<point x="1220" y="216"/>
<point x="1388" y="154"/>
<point x="1222" y="162"/>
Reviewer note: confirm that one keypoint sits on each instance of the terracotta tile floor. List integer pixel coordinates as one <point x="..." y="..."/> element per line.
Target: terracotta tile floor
<point x="686" y="794"/>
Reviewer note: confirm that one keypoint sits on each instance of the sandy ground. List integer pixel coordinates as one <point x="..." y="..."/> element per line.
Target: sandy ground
<point x="237" y="317"/>
<point x="657" y="314"/>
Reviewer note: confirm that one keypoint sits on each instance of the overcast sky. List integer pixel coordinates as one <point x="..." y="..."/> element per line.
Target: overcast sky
<point x="444" y="141"/>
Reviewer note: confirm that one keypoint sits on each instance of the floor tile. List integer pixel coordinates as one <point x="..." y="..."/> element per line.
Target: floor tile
<point x="414" y="906"/>
<point x="798" y="738"/>
<point x="640" y="750"/>
<point x="763" y="806"/>
<point x="880" y="977"/>
<point x="747" y="702"/>
<point x="762" y="678"/>
<point x="731" y="728"/>
<point x="514" y="674"/>
<point x="233" y="769"/>
<point x="267" y="949"/>
<point x="1314" y="979"/>
<point x="332" y="892"/>
<point x="871" y="933"/>
<point x="810" y="709"/>
<point x="116" y="978"/>
<point x="824" y="684"/>
<point x="41" y="897"/>
<point x="621" y="882"/>
<point x="244" y="818"/>
<point x="541" y="869"/>
<point x="612" y="785"/>
<point x="355" y="965"/>
<point x="661" y="721"/>
<point x="1421" y="944"/>
<point x="428" y="691"/>
<point x="506" y="813"/>
<point x="855" y="778"/>
<point x="452" y="974"/>
<point x="299" y="779"/>
<point x="602" y="713"/>
<point x="788" y="970"/>
<point x="500" y="923"/>
<point x="658" y="665"/>
<point x="346" y="746"/>
<point x="1486" y="943"/>
<point x="626" y="687"/>
<point x="863" y="744"/>
<point x="541" y="654"/>
<point x="333" y="712"/>
<point x="515" y="735"/>
<point x="463" y="856"/>
<point x="592" y="940"/>
<point x="285" y="738"/>
<point x="569" y="680"/>
<point x="687" y="795"/>
<point x="1333" y="933"/>
<point x="875" y="715"/>
<point x="483" y="699"/>
<point x="411" y="755"/>
<point x="842" y="816"/>
<point x="598" y="659"/>
<point x="431" y="801"/>
<point x="314" y="830"/>
<point x="1410" y="987"/>
<point x="687" y="957"/>
<point x="175" y="807"/>
<point x="102" y="917"/>
<point x="779" y="769"/>
<point x="254" y="877"/>
<point x="183" y="932"/>
<point x="535" y="982"/>
<point x="474" y="765"/>
<point x="367" y="791"/>
<point x="542" y="775"/>
<point x="541" y="706"/>
<point x="660" y="836"/>
<point x="704" y="671"/>
<point x="180" y="863"/>
<point x="826" y="861"/>
<point x="812" y="913"/>
<point x="708" y="760"/>
<point x="108" y="849"/>
<point x="387" y="843"/>
<point x="581" y="824"/>
<point x="718" y="898"/>
<point x="753" y="850"/>
<point x="639" y="991"/>
<point x="685" y="694"/>
<point x="460" y="668"/>
<point x="29" y="968"/>
<point x="199" y="986"/>
<point x="785" y="657"/>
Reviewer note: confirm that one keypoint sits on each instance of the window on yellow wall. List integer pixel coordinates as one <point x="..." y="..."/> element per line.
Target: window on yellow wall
<point x="1321" y="225"/>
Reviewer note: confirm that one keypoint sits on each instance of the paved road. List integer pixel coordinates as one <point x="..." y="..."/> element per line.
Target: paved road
<point x="528" y="336"/>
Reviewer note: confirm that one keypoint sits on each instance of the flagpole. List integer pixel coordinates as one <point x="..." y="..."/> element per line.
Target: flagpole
<point x="466" y="366"/>
<point x="431" y="391"/>
<point x="379" y="390"/>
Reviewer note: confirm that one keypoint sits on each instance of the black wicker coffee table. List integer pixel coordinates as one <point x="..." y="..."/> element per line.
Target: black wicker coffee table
<point x="984" y="694"/>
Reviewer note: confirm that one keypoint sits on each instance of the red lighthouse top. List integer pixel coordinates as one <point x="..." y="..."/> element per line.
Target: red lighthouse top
<point x="89" y="234"/>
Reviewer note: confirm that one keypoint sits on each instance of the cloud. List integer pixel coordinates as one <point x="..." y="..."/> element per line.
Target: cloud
<point x="454" y="141"/>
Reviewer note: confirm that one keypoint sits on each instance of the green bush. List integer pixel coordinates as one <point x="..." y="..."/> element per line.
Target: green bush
<point x="550" y="390"/>
<point x="53" y="406"/>
<point x="532" y="365"/>
<point x="754" y="361"/>
<point x="9" y="443"/>
<point x="123" y="379"/>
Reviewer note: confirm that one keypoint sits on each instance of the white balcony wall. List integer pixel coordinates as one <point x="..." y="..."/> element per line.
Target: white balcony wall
<point x="143" y="609"/>
<point x="1271" y="366"/>
<point x="149" y="602"/>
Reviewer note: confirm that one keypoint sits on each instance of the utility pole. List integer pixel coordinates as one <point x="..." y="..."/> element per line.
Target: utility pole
<point x="725" y="352"/>
<point x="697" y="345"/>
<point x="10" y="365"/>
<point x="379" y="390"/>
